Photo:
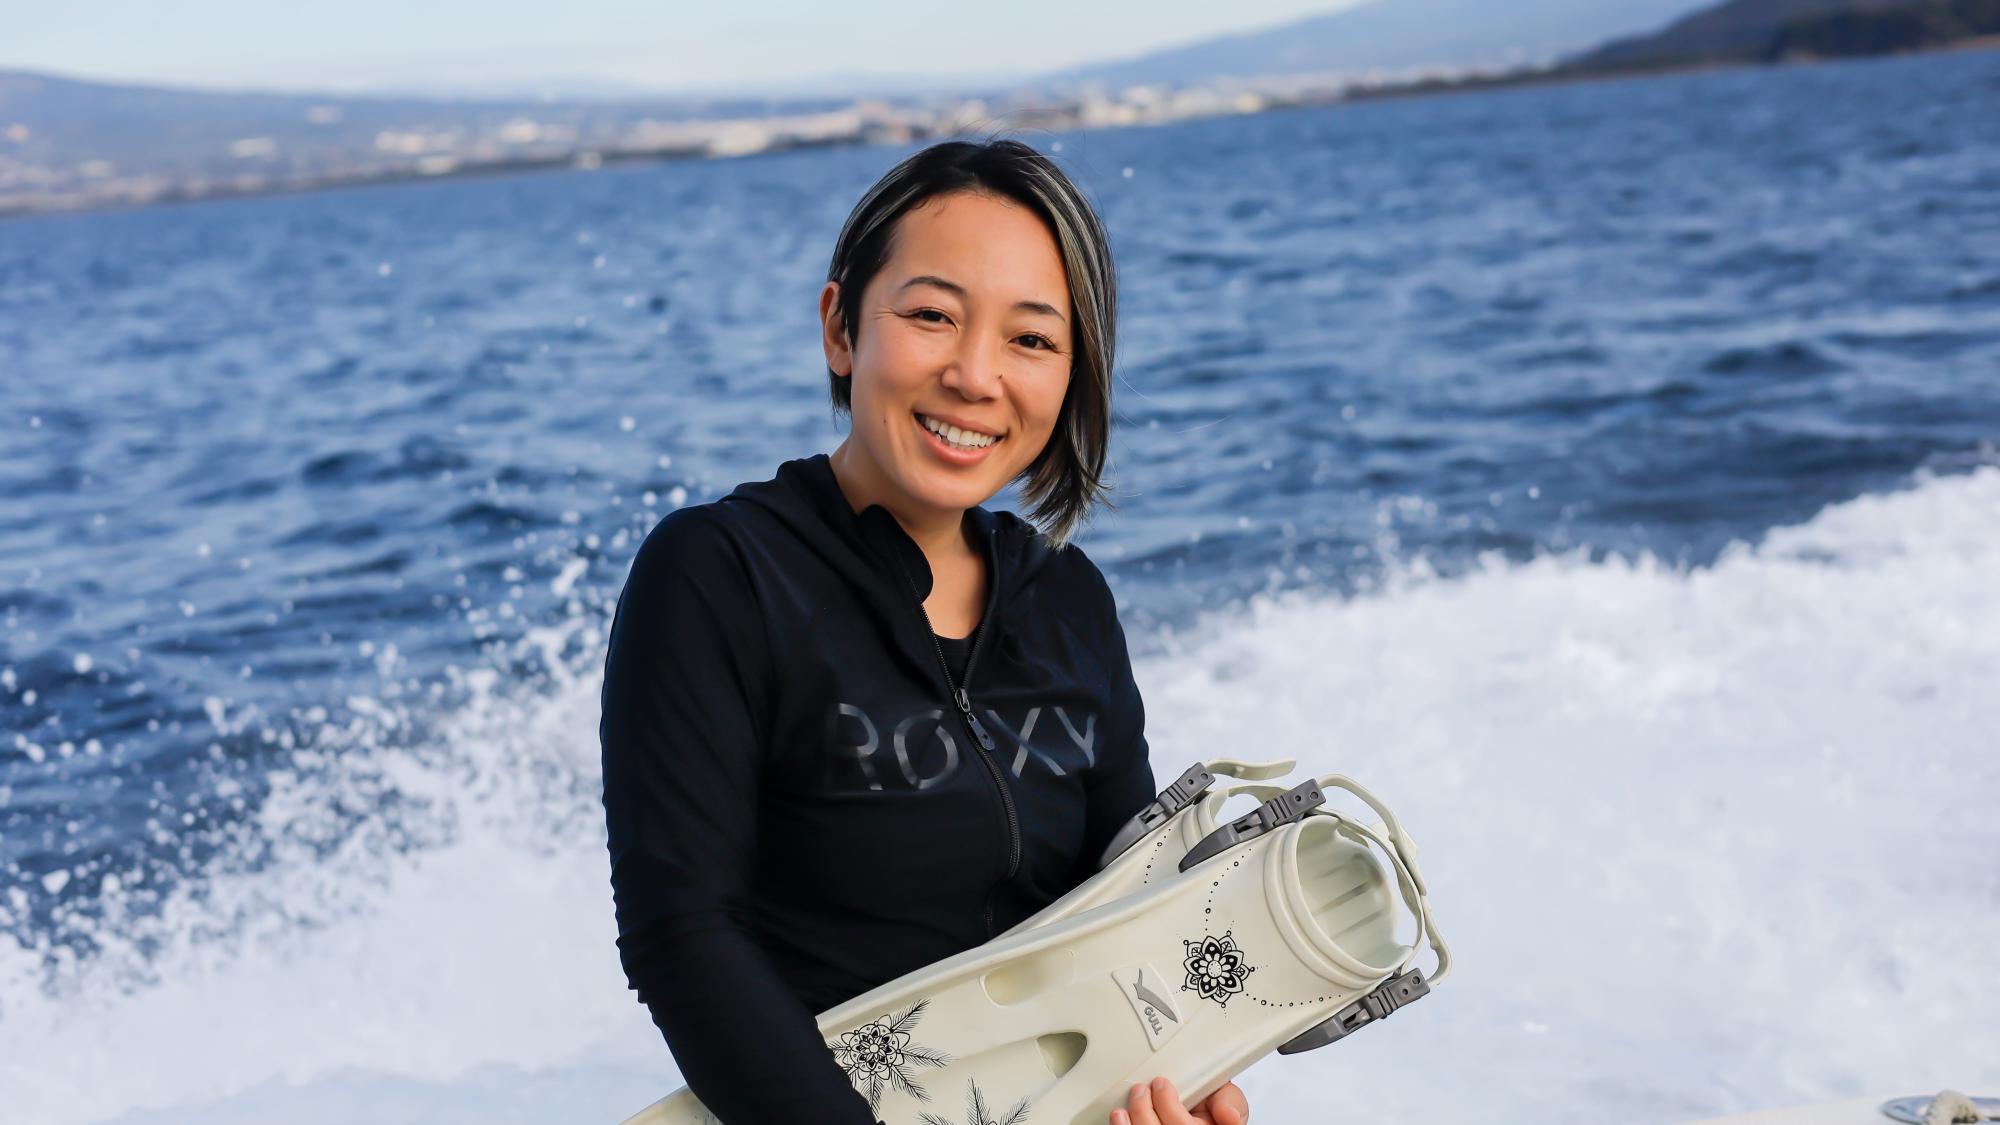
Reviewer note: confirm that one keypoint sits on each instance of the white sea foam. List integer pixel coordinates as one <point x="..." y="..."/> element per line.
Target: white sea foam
<point x="1703" y="840"/>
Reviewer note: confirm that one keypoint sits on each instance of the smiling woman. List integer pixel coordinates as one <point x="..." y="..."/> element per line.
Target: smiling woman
<point x="1001" y="269"/>
<point x="813" y="782"/>
<point x="959" y="384"/>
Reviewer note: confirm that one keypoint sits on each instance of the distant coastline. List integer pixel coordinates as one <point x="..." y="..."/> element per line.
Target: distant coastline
<point x="1559" y="75"/>
<point x="1737" y="34"/>
<point x="588" y="160"/>
<point x="1924" y="27"/>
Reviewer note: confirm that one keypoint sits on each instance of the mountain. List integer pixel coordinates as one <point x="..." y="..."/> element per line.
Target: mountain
<point x="1918" y="27"/>
<point x="1766" y="30"/>
<point x="1392" y="35"/>
<point x="1732" y="30"/>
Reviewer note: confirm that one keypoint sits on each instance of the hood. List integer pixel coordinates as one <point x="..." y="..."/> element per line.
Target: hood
<point x="870" y="549"/>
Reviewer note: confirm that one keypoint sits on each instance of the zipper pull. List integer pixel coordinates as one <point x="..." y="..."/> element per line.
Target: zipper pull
<point x="978" y="728"/>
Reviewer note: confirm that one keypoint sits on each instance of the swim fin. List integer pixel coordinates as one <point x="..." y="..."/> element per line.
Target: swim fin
<point x="1153" y="844"/>
<point x="1273" y="930"/>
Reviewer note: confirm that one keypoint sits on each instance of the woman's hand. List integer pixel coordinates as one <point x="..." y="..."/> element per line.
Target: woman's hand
<point x="1161" y="1105"/>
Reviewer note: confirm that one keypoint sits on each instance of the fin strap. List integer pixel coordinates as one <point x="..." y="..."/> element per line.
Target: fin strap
<point x="1378" y="1005"/>
<point x="1175" y="797"/>
<point x="1182" y="793"/>
<point x="1280" y="810"/>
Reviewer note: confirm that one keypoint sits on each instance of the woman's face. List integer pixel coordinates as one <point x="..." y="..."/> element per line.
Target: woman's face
<point x="967" y="325"/>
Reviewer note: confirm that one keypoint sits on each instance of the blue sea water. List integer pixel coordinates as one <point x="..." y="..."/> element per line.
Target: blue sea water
<point x="1606" y="473"/>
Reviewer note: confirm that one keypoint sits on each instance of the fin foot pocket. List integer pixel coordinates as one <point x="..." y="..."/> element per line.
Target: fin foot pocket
<point x="1025" y="979"/>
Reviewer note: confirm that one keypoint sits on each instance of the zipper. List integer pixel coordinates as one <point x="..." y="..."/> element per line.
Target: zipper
<point x="982" y="741"/>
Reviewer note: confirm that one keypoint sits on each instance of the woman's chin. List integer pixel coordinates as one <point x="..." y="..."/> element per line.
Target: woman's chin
<point x="928" y="487"/>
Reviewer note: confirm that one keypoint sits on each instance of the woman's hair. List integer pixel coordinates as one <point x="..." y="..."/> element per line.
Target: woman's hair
<point x="1067" y="478"/>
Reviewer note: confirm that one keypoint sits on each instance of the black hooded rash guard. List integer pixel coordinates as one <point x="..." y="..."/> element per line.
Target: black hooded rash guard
<point x="799" y="808"/>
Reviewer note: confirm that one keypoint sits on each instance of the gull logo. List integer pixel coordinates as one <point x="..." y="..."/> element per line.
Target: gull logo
<point x="1146" y="991"/>
<point x="1153" y="998"/>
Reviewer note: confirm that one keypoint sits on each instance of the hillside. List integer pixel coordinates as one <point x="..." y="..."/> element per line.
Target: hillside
<point x="1392" y="35"/>
<point x="1766" y="30"/>
<point x="1916" y="27"/>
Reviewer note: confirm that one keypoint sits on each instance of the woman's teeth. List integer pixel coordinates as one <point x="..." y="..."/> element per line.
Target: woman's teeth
<point x="962" y="439"/>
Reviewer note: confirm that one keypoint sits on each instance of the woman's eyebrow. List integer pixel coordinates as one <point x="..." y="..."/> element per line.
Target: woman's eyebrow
<point x="954" y="287"/>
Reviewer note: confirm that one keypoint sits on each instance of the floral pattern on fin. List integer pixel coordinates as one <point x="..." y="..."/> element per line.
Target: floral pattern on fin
<point x="1215" y="968"/>
<point x="881" y="1055"/>
<point x="976" y="1112"/>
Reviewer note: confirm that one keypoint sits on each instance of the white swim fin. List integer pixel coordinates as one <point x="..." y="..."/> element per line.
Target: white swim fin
<point x="1152" y="845"/>
<point x="1279" y="933"/>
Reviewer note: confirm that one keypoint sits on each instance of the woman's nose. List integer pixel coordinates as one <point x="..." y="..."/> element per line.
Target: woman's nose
<point x="975" y="370"/>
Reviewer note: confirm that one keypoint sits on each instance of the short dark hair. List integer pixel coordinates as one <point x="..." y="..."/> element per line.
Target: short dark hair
<point x="1066" y="480"/>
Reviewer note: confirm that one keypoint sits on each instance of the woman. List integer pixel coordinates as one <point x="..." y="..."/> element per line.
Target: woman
<point x="853" y="722"/>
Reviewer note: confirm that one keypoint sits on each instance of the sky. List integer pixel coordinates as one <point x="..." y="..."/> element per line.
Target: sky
<point x="362" y="45"/>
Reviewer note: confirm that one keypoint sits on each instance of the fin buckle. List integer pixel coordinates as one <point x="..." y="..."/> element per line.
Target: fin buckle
<point x="1280" y="810"/>
<point x="1378" y="1005"/>
<point x="1179" y="794"/>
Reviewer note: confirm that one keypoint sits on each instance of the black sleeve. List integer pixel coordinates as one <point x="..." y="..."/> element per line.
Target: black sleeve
<point x="1121" y="782"/>
<point x="682" y="734"/>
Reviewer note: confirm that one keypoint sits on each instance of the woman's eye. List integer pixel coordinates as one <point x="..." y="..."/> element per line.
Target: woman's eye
<point x="937" y="316"/>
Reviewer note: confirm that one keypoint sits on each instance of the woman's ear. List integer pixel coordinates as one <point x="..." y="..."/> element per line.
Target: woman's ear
<point x="833" y="331"/>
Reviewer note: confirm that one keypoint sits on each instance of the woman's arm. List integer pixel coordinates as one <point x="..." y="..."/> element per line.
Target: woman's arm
<point x="1121" y="782"/>
<point x="686" y="674"/>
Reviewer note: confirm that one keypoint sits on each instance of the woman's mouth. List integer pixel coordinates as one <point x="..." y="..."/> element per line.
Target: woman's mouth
<point x="956" y="445"/>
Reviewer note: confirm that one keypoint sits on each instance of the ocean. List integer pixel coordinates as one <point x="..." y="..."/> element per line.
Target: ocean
<point x="1607" y="474"/>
